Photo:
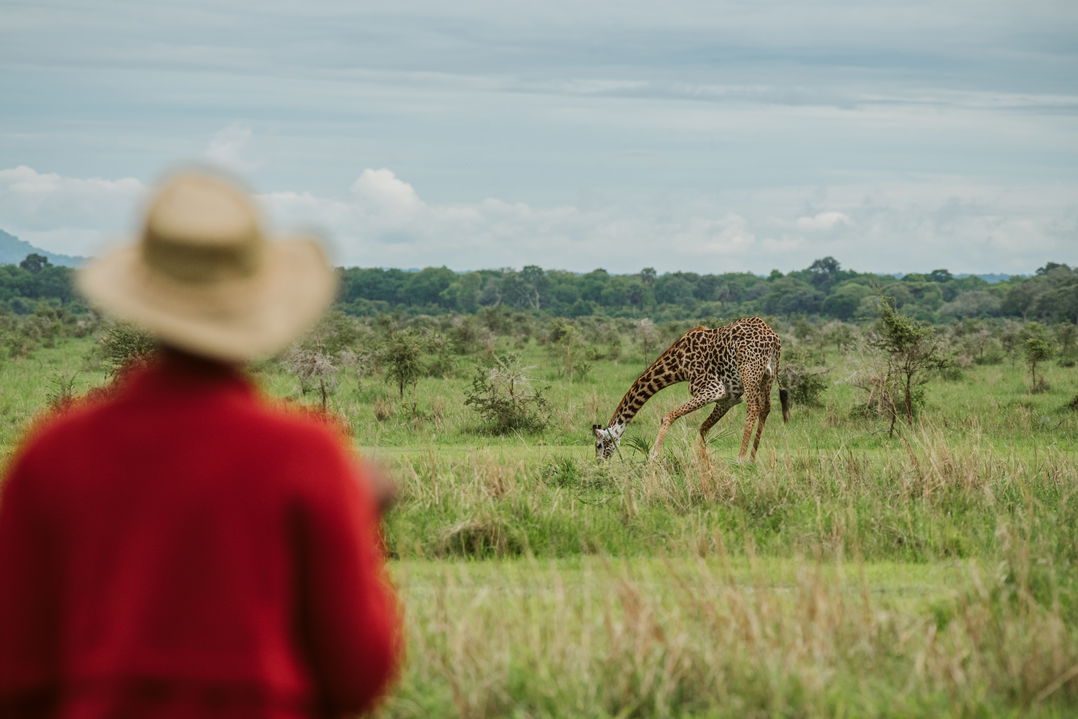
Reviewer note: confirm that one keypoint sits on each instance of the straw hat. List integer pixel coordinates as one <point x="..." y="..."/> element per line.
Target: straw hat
<point x="204" y="276"/>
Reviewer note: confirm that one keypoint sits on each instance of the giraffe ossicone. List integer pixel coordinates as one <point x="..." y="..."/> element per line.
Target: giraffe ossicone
<point x="724" y="365"/>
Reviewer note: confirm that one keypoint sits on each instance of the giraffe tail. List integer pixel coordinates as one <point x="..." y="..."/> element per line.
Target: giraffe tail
<point x="784" y="394"/>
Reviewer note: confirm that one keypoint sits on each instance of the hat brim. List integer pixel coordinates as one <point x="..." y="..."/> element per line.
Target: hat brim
<point x="237" y="320"/>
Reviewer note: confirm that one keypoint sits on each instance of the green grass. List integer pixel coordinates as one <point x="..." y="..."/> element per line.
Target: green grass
<point x="845" y="573"/>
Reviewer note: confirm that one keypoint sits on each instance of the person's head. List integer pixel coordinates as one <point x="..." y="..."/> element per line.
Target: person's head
<point x="205" y="278"/>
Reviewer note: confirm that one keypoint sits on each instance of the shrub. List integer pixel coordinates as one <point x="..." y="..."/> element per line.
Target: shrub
<point x="1037" y="350"/>
<point x="314" y="369"/>
<point x="502" y="396"/>
<point x="910" y="349"/>
<point x="467" y="336"/>
<point x="401" y="357"/>
<point x="562" y="472"/>
<point x="802" y="380"/>
<point x="125" y="347"/>
<point x="885" y="396"/>
<point x="441" y="361"/>
<point x="568" y="350"/>
<point x="647" y="334"/>
<point x="62" y="391"/>
<point x="337" y="332"/>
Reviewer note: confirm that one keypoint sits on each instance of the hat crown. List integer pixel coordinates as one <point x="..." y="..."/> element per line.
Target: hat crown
<point x="206" y="277"/>
<point x="202" y="229"/>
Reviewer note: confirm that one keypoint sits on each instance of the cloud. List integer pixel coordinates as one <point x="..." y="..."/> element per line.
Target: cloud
<point x="232" y="148"/>
<point x="823" y="221"/>
<point x="917" y="227"/>
<point x="384" y="193"/>
<point x="65" y="214"/>
<point x="381" y="219"/>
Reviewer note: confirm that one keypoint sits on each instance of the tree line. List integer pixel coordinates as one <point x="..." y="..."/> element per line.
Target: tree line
<point x="823" y="289"/>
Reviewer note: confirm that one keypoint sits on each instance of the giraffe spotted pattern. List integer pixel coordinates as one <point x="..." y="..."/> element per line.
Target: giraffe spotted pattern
<point x="723" y="366"/>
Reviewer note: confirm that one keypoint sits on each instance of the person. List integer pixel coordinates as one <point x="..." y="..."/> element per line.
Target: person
<point x="182" y="547"/>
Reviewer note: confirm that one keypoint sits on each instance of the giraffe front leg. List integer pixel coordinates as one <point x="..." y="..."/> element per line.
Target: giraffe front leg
<point x="721" y="408"/>
<point x="657" y="445"/>
<point x="693" y="404"/>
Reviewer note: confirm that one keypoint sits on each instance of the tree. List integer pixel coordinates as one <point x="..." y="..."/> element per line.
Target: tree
<point x="844" y="301"/>
<point x="623" y="291"/>
<point x="824" y="272"/>
<point x="975" y="303"/>
<point x="911" y="349"/>
<point x="1049" y="266"/>
<point x="1067" y="336"/>
<point x="401" y="356"/>
<point x="426" y="286"/>
<point x="35" y="263"/>
<point x="673" y="289"/>
<point x="462" y="294"/>
<point x="648" y="335"/>
<point x="1052" y="294"/>
<point x="532" y="286"/>
<point x="790" y="296"/>
<point x="1037" y="350"/>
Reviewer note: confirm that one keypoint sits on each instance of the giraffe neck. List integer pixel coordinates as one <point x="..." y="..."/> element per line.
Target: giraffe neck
<point x="656" y="377"/>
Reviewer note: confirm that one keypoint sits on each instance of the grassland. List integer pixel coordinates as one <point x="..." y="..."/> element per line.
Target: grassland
<point x="845" y="573"/>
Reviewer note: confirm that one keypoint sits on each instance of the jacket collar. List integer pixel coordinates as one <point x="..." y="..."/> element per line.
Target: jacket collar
<point x="175" y="372"/>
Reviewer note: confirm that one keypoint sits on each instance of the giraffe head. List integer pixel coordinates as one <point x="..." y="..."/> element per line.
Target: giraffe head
<point x="606" y="441"/>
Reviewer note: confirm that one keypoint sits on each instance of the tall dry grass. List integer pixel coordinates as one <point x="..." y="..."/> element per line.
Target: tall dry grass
<point x="728" y="637"/>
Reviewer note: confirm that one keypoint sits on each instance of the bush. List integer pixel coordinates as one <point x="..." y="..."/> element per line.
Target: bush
<point x="505" y="401"/>
<point x="805" y="383"/>
<point x="911" y="349"/>
<point x="314" y="369"/>
<point x="1037" y="350"/>
<point x="567" y="349"/>
<point x="467" y="336"/>
<point x="125" y="347"/>
<point x="337" y="332"/>
<point x="401" y="357"/>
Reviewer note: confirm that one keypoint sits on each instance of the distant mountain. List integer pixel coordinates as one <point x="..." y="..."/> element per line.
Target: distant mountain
<point x="993" y="278"/>
<point x="13" y="251"/>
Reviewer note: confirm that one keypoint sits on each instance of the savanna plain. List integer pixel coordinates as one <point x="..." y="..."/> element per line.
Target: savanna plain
<point x="866" y="565"/>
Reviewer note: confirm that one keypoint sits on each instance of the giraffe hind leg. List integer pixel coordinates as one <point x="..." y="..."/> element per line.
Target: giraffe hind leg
<point x="751" y="413"/>
<point x="763" y="409"/>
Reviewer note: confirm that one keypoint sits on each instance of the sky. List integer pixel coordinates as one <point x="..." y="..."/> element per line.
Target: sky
<point x="702" y="136"/>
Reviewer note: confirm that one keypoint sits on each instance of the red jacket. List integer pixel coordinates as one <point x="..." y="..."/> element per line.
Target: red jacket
<point x="185" y="550"/>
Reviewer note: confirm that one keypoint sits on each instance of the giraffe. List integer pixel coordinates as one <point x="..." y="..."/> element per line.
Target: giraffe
<point x="721" y="365"/>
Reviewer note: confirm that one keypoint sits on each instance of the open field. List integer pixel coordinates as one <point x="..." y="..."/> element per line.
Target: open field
<point x="845" y="573"/>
